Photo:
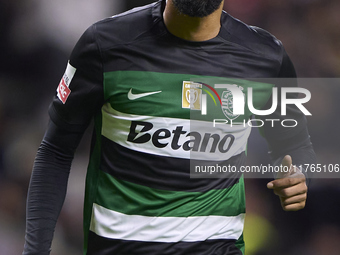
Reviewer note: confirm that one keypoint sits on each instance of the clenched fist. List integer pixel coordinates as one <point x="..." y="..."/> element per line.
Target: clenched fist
<point x="290" y="186"/>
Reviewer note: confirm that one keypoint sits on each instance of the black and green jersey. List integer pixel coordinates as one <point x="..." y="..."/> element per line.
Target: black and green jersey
<point x="146" y="90"/>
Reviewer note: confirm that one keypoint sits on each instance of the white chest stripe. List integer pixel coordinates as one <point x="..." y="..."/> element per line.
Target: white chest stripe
<point x="168" y="136"/>
<point x="115" y="225"/>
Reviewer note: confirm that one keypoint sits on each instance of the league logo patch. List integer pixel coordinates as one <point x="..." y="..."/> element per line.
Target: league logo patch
<point x="63" y="90"/>
<point x="191" y="95"/>
<point x="227" y="104"/>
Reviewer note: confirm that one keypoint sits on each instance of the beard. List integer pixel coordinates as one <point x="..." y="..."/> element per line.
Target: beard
<point x="197" y="8"/>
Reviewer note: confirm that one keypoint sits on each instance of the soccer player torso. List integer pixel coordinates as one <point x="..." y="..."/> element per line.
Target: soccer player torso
<point x="155" y="133"/>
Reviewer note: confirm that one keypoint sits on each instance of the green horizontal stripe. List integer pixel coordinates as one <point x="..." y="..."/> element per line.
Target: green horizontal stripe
<point x="135" y="199"/>
<point x="169" y="102"/>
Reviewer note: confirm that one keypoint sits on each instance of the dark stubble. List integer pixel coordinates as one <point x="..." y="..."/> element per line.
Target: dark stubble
<point x="197" y="8"/>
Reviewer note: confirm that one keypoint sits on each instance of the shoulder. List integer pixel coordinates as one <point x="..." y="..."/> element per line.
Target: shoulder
<point x="125" y="27"/>
<point x="252" y="38"/>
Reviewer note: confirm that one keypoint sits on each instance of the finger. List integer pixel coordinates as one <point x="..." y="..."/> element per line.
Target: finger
<point x="294" y="207"/>
<point x="291" y="191"/>
<point x="287" y="161"/>
<point x="270" y="185"/>
<point x="286" y="166"/>
<point x="287" y="182"/>
<point x="293" y="200"/>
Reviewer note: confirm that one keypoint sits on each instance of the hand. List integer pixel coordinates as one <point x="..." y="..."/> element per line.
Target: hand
<point x="290" y="186"/>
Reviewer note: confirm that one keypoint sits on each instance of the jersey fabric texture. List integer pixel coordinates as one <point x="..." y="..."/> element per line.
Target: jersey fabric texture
<point x="129" y="73"/>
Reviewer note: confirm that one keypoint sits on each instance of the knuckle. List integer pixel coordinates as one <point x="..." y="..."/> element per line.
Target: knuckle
<point x="291" y="181"/>
<point x="300" y="205"/>
<point x="305" y="197"/>
<point x="305" y="188"/>
<point x="293" y="207"/>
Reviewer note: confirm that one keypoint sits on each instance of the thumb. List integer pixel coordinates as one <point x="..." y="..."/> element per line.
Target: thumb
<point x="285" y="168"/>
<point x="284" y="172"/>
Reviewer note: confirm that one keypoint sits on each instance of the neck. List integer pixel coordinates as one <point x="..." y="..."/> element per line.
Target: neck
<point x="192" y="28"/>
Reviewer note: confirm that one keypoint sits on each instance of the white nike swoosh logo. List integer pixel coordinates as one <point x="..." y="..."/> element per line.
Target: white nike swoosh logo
<point x="136" y="96"/>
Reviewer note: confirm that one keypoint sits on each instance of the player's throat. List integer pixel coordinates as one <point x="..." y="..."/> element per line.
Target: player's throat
<point x="192" y="28"/>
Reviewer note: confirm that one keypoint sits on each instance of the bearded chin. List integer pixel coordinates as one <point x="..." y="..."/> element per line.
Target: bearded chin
<point x="197" y="8"/>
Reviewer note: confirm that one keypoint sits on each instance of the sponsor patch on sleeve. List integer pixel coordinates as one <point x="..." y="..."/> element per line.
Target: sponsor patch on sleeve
<point x="63" y="90"/>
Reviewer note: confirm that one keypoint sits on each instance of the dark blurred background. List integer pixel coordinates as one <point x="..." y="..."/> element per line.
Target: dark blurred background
<point x="36" y="40"/>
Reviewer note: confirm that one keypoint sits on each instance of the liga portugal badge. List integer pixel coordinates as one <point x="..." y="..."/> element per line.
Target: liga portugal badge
<point x="63" y="90"/>
<point x="191" y="95"/>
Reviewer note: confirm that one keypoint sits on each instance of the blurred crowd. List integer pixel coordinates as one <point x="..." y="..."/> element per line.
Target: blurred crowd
<point x="36" y="40"/>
